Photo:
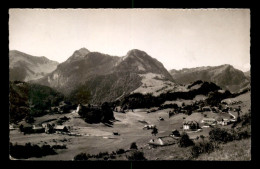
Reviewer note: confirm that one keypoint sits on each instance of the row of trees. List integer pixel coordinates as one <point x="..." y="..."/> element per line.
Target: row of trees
<point x="104" y="113"/>
<point x="29" y="150"/>
<point x="134" y="155"/>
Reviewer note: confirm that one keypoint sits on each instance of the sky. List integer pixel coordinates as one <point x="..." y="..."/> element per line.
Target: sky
<point x="178" y="38"/>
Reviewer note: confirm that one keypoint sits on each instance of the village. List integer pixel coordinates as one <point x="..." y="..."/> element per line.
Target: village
<point x="164" y="126"/>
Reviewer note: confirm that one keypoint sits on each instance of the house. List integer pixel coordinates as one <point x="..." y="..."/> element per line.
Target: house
<point x="150" y="126"/>
<point x="61" y="128"/>
<point x="206" y="108"/>
<point x="11" y="127"/>
<point x="191" y="125"/>
<point x="119" y="109"/>
<point x="26" y="128"/>
<point x="116" y="133"/>
<point x="215" y="109"/>
<point x="162" y="141"/>
<point x="38" y="129"/>
<point x="152" y="110"/>
<point x="219" y="120"/>
<point x="78" y="108"/>
<point x="161" y="119"/>
<point x="48" y="128"/>
<point x="223" y="122"/>
<point x="209" y="121"/>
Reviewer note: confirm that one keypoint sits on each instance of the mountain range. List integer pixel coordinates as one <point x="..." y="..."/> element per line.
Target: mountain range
<point x="225" y="76"/>
<point x="24" y="67"/>
<point x="107" y="78"/>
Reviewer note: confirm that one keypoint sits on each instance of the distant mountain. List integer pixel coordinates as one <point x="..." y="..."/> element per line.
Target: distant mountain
<point x="225" y="76"/>
<point x="106" y="77"/>
<point x="248" y="74"/>
<point x="24" y="67"/>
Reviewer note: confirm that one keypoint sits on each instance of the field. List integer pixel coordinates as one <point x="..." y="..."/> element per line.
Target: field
<point x="97" y="138"/>
<point x="233" y="151"/>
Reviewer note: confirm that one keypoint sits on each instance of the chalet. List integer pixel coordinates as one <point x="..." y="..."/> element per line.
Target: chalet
<point x="191" y="125"/>
<point x="162" y="141"/>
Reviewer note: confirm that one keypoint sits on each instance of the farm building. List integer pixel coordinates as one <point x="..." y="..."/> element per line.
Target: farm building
<point x="38" y="129"/>
<point x="162" y="141"/>
<point x="60" y="128"/>
<point x="209" y="121"/>
<point x="11" y="127"/>
<point x="119" y="109"/>
<point x="48" y="127"/>
<point x="26" y="127"/>
<point x="206" y="108"/>
<point x="191" y="125"/>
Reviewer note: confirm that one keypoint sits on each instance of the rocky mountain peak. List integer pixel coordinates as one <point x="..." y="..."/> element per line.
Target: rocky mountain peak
<point x="78" y="54"/>
<point x="81" y="52"/>
<point x="136" y="52"/>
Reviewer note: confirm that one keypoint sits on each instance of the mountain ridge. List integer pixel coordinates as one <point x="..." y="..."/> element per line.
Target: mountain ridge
<point x="106" y="77"/>
<point x="226" y="76"/>
<point x="25" y="67"/>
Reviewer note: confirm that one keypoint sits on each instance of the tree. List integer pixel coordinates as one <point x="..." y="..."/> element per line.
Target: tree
<point x="155" y="131"/>
<point x="202" y="137"/>
<point x="21" y="128"/>
<point x="81" y="157"/>
<point x="137" y="156"/>
<point x="133" y="146"/>
<point x="220" y="135"/>
<point x="238" y="114"/>
<point x="185" y="141"/>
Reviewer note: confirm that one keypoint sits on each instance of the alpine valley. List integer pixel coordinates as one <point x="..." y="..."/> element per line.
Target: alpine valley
<point x="94" y="106"/>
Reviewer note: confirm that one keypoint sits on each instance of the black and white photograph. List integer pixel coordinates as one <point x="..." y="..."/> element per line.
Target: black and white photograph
<point x="103" y="84"/>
